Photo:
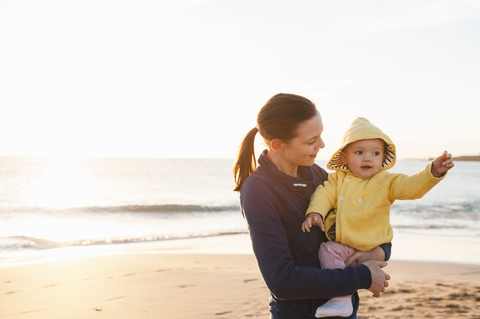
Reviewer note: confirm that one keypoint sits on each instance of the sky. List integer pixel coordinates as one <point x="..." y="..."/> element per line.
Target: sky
<point x="186" y="78"/>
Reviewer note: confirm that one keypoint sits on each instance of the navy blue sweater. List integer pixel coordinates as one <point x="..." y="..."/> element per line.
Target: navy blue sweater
<point x="274" y="205"/>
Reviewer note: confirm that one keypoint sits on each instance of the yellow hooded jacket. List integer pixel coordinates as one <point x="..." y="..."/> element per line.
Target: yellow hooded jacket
<point x="360" y="209"/>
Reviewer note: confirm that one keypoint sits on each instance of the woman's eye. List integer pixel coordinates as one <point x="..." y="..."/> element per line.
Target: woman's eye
<point x="312" y="142"/>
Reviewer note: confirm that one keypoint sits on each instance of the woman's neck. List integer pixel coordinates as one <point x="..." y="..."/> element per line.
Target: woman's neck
<point x="283" y="165"/>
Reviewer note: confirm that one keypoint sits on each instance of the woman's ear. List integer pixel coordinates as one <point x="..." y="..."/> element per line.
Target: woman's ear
<point x="276" y="145"/>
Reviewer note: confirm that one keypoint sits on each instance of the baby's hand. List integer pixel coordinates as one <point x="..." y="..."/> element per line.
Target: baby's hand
<point x="442" y="164"/>
<point x="313" y="219"/>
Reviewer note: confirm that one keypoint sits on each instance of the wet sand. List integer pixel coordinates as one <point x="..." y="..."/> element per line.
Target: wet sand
<point x="170" y="286"/>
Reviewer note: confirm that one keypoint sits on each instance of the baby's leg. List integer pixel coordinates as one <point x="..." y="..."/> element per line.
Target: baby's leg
<point x="333" y="255"/>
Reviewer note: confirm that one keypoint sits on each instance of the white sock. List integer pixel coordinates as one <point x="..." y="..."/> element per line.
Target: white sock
<point x="336" y="307"/>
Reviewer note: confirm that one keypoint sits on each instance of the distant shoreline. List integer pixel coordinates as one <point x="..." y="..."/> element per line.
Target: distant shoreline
<point x="464" y="158"/>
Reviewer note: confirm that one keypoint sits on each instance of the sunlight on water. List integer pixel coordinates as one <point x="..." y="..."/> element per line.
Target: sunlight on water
<point x="62" y="185"/>
<point x="62" y="203"/>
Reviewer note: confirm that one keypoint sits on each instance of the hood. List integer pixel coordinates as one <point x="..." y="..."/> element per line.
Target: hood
<point x="362" y="129"/>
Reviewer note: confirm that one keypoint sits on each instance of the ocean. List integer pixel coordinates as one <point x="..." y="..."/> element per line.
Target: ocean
<point x="50" y="204"/>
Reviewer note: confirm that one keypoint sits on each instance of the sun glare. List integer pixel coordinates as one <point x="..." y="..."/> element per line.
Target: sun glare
<point x="63" y="184"/>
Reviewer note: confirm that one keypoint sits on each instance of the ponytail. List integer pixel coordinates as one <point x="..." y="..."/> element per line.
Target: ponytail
<point x="277" y="119"/>
<point x="246" y="162"/>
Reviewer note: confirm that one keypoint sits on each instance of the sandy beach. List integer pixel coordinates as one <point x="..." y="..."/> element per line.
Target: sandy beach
<point x="195" y="283"/>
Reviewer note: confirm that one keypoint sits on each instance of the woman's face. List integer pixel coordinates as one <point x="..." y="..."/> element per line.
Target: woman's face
<point x="302" y="150"/>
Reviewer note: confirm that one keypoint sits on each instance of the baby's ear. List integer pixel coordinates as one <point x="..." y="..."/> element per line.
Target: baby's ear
<point x="343" y="156"/>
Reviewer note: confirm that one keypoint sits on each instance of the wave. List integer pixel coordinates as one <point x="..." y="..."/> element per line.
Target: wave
<point x="422" y="227"/>
<point x="16" y="243"/>
<point x="170" y="208"/>
<point x="451" y="210"/>
<point x="24" y="242"/>
<point x="167" y="208"/>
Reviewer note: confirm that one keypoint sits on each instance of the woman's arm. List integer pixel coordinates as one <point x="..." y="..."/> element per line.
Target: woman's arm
<point x="382" y="252"/>
<point x="372" y="259"/>
<point x="284" y="278"/>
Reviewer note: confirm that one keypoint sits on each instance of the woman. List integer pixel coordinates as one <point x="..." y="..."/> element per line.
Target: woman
<point x="274" y="197"/>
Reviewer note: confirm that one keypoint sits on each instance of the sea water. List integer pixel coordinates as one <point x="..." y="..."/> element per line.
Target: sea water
<point x="51" y="203"/>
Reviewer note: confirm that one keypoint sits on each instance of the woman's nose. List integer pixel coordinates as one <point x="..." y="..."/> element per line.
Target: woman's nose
<point x="320" y="144"/>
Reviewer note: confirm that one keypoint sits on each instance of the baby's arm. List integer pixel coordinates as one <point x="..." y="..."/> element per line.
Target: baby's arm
<point x="442" y="164"/>
<point x="313" y="219"/>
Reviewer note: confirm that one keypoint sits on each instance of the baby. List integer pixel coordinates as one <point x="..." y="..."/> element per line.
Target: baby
<point x="353" y="206"/>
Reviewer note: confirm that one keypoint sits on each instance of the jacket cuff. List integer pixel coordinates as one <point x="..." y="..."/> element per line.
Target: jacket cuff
<point x="387" y="248"/>
<point x="365" y="277"/>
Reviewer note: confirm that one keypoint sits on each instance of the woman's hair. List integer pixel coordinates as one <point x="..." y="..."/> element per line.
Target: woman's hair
<point x="277" y="119"/>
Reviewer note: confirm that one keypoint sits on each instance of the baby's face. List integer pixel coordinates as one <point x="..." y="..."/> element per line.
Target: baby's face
<point x="364" y="158"/>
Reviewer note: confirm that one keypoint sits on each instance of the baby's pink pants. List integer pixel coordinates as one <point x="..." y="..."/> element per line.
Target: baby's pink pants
<point x="333" y="255"/>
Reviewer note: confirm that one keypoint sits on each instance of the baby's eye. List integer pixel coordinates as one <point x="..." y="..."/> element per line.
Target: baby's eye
<point x="359" y="152"/>
<point x="376" y="153"/>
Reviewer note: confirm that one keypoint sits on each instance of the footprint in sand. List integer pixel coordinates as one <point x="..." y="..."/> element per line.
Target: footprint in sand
<point x="50" y="286"/>
<point x="185" y="286"/>
<point x="249" y="280"/>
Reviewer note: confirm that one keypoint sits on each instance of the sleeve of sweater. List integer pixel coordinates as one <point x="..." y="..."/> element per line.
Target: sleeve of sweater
<point x="324" y="198"/>
<point x="403" y="187"/>
<point x="283" y="277"/>
<point x="387" y="248"/>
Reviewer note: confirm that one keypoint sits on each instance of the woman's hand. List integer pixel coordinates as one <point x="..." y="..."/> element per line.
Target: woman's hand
<point x="379" y="277"/>
<point x="361" y="257"/>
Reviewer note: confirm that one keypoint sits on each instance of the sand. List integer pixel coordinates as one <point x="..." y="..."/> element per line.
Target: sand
<point x="176" y="285"/>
